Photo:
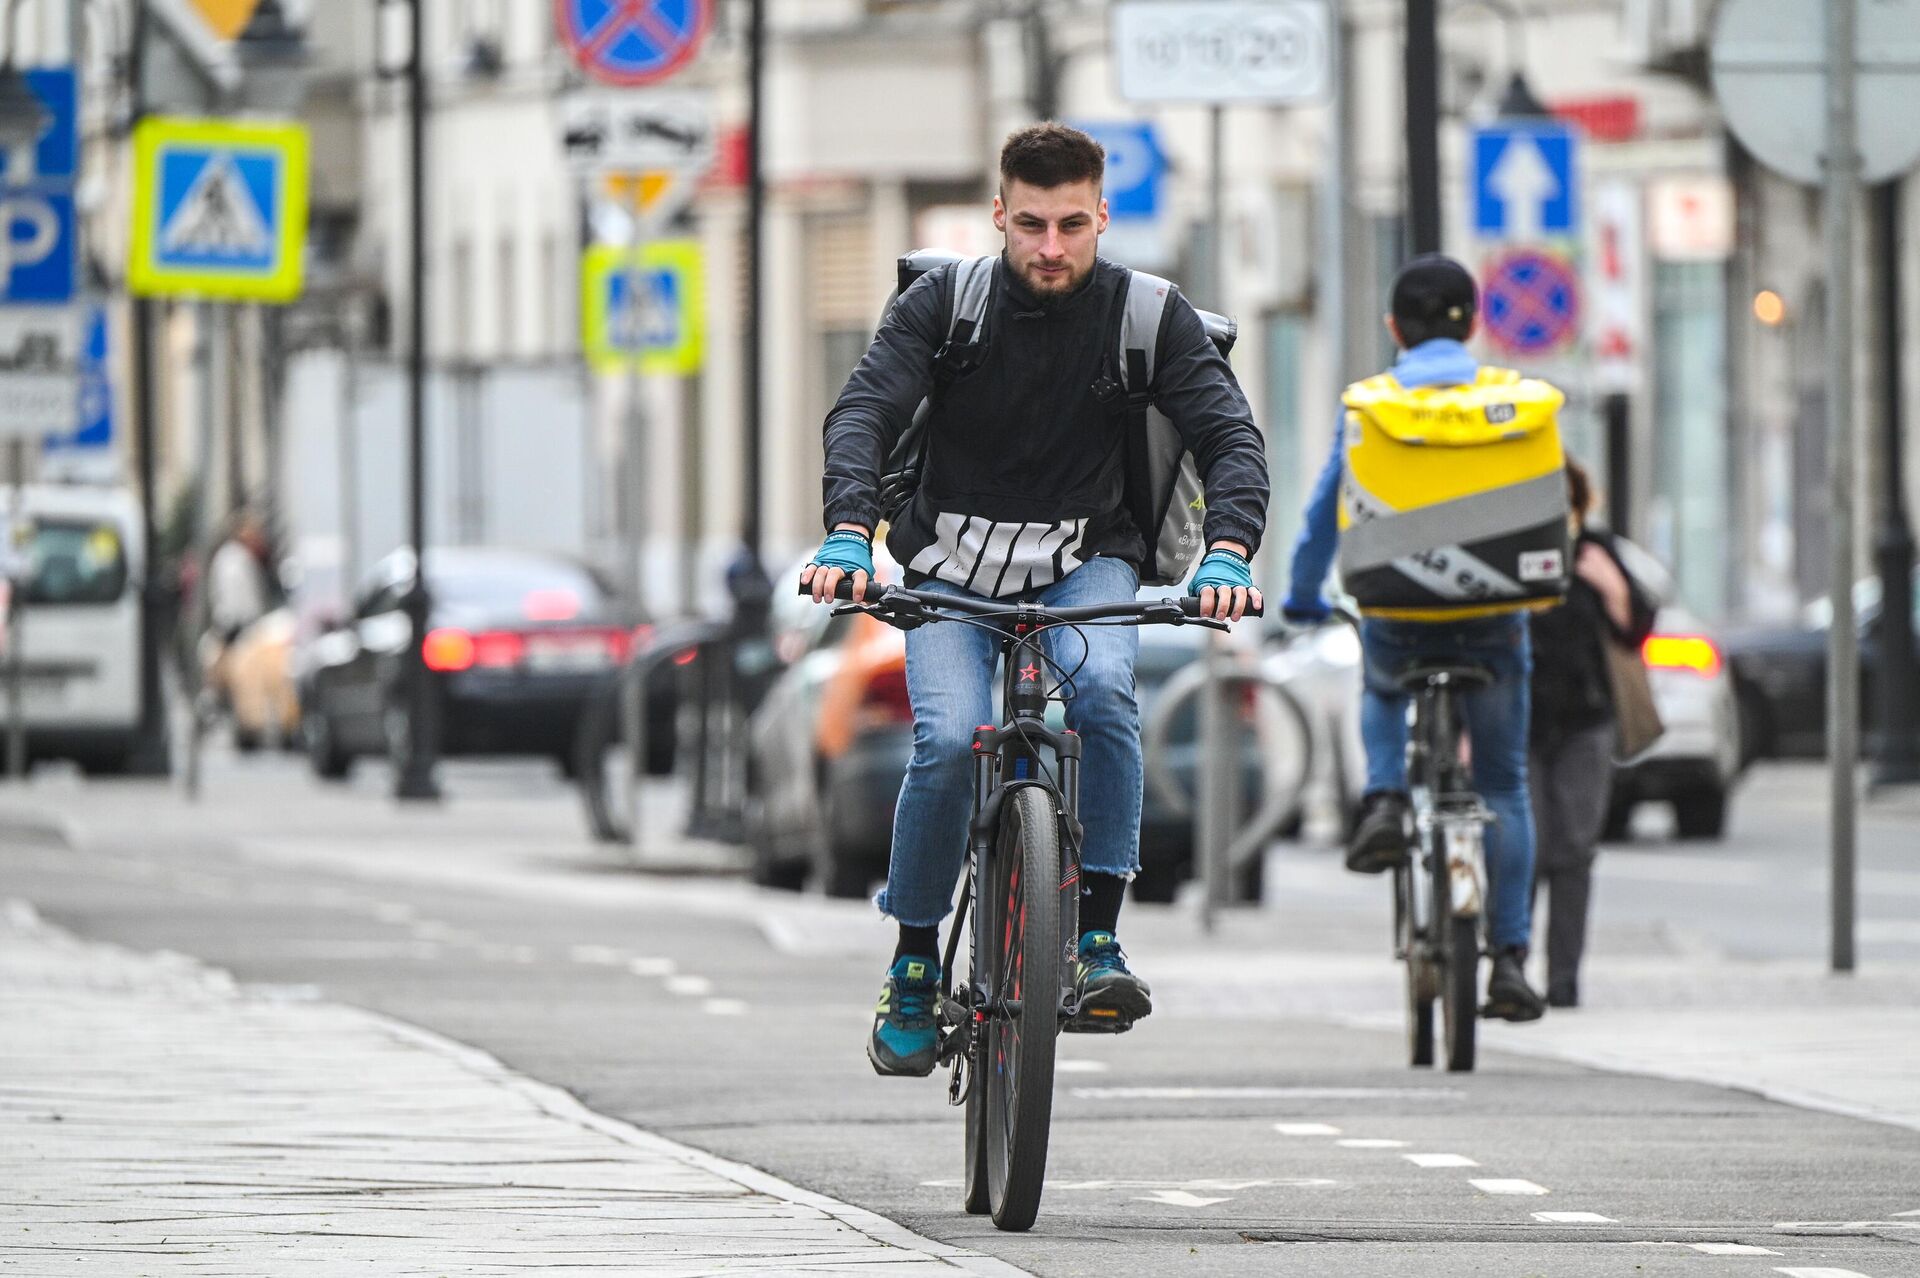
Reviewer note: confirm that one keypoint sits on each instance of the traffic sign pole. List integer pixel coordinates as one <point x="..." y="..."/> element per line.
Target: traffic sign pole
<point x="1843" y="653"/>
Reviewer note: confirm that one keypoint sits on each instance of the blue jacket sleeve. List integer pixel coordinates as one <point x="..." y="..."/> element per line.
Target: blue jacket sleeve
<point x="1320" y="529"/>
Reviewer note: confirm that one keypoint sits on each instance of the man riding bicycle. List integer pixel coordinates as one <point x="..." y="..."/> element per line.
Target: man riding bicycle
<point x="1434" y="311"/>
<point x="1021" y="496"/>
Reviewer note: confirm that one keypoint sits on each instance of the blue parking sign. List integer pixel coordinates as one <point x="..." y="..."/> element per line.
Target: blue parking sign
<point x="1135" y="165"/>
<point x="37" y="261"/>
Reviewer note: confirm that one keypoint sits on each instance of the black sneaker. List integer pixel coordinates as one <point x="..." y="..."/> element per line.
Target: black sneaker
<point x="1109" y="998"/>
<point x="1564" y="992"/>
<point x="1379" y="840"/>
<point x="1509" y="997"/>
<point x="906" y="1036"/>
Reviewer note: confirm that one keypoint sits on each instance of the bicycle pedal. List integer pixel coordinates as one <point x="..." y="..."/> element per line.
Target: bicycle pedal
<point x="1098" y="1020"/>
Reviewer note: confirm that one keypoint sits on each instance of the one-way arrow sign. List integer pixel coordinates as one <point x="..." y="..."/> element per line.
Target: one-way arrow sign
<point x="637" y="132"/>
<point x="1525" y="182"/>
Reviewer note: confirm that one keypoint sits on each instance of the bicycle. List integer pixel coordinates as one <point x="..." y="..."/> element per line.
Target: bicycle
<point x="1446" y="863"/>
<point x="998" y="1030"/>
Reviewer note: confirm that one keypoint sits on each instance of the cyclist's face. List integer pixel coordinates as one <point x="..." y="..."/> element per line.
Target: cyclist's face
<point x="1053" y="233"/>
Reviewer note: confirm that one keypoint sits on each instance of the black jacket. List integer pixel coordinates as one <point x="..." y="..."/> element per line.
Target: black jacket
<point x="1024" y="466"/>
<point x="1571" y="690"/>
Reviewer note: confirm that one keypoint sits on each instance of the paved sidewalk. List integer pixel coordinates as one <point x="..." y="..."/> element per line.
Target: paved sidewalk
<point x="157" y="1119"/>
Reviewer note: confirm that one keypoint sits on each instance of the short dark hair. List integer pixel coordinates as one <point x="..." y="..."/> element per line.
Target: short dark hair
<point x="1049" y="155"/>
<point x="1434" y="296"/>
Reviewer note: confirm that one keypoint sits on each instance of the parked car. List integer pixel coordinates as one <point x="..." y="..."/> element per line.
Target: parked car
<point x="1780" y="674"/>
<point x="518" y="642"/>
<point x="828" y="748"/>
<point x="80" y="632"/>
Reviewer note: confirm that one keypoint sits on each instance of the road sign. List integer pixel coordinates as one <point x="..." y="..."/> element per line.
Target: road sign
<point x="226" y="18"/>
<point x="1616" y="289"/>
<point x="635" y="132"/>
<point x="219" y="209"/>
<point x="632" y="42"/>
<point x="55" y="157"/>
<point x="37" y="259"/>
<point x="1530" y="302"/>
<point x="1526" y="179"/>
<point x="1135" y="165"/>
<point x="645" y="307"/>
<point x="39" y="369"/>
<point x="1271" y="51"/>
<point x="1769" y="72"/>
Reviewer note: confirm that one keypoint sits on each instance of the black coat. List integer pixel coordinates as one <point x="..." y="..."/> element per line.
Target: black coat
<point x="1571" y="690"/>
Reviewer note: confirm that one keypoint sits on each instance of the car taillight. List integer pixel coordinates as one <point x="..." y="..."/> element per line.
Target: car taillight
<point x="498" y="649"/>
<point x="446" y="650"/>
<point x="885" y="699"/>
<point x="1682" y="652"/>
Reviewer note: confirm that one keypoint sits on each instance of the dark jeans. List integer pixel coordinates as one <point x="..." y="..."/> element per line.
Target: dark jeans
<point x="1570" y="781"/>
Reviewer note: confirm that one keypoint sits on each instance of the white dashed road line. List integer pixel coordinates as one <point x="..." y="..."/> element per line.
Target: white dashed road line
<point x="1440" y="1160"/>
<point x="1371" y="1142"/>
<point x="1573" y="1218"/>
<point x="1081" y="1067"/>
<point x="1820" y="1273"/>
<point x="652" y="966"/>
<point x="1732" y="1249"/>
<point x="688" y="986"/>
<point x="724" y="1007"/>
<point x="1507" y="1186"/>
<point x="599" y="955"/>
<point x="1267" y="1093"/>
<point x="1306" y="1129"/>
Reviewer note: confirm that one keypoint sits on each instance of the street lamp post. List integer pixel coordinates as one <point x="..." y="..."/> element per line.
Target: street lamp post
<point x="1423" y="125"/>
<point x="1897" y="760"/>
<point x="413" y="777"/>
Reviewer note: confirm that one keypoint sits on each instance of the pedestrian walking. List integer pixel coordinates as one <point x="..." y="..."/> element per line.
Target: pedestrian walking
<point x="1578" y="648"/>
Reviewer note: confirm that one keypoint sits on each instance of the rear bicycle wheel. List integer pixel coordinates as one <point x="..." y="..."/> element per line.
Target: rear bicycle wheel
<point x="1412" y="947"/>
<point x="1460" y="995"/>
<point x="1023" y="966"/>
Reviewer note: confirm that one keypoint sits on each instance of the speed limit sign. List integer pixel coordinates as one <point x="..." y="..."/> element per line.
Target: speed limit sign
<point x="1271" y="51"/>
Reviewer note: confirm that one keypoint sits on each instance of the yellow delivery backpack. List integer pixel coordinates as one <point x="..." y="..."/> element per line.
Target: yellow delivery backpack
<point x="1454" y="501"/>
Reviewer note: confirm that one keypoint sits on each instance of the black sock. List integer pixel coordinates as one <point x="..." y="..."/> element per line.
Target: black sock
<point x="1100" y="901"/>
<point x="918" y="942"/>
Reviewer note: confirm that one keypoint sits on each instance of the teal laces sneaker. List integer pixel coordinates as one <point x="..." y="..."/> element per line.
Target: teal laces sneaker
<point x="1109" y="997"/>
<point x="906" y="1034"/>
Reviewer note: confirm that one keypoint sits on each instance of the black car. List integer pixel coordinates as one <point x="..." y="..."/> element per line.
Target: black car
<point x="518" y="643"/>
<point x="1780" y="676"/>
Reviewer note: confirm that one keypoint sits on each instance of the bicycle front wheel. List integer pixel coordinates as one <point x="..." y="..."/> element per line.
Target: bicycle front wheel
<point x="1024" y="970"/>
<point x="1412" y="946"/>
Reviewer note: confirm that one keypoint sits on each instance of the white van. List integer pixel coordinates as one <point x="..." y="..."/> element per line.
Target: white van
<point x="80" y="638"/>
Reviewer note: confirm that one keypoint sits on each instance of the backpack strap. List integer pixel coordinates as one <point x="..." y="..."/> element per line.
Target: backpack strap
<point x="969" y="290"/>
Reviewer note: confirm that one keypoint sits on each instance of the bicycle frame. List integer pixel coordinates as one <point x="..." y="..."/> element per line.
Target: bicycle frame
<point x="1445" y="804"/>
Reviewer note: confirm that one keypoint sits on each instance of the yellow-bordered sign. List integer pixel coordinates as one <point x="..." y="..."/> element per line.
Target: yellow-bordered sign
<point x="219" y="209"/>
<point x="647" y="307"/>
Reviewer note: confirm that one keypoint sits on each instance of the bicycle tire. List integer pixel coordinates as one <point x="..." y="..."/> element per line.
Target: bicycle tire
<point x="1410" y="943"/>
<point x="1024" y="954"/>
<point x="1460" y="996"/>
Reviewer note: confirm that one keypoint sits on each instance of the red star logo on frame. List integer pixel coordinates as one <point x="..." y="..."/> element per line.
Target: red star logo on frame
<point x="1030" y="673"/>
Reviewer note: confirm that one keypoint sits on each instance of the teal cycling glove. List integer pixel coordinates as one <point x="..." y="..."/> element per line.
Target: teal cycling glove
<point x="1223" y="570"/>
<point x="848" y="551"/>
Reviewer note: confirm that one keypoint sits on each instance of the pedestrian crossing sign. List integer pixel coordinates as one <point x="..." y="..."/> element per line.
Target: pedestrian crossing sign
<point x="645" y="307"/>
<point x="219" y="209"/>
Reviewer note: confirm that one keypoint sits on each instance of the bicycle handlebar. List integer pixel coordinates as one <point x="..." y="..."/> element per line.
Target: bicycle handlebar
<point x="901" y="601"/>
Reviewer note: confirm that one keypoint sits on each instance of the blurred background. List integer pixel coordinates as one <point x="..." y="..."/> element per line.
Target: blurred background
<point x="631" y="311"/>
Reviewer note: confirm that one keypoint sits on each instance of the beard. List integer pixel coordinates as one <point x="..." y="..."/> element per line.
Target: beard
<point x="1050" y="290"/>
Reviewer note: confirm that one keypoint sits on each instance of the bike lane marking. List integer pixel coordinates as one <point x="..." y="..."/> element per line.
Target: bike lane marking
<point x="1306" y="1129"/>
<point x="1573" y="1218"/>
<point x="1819" y="1273"/>
<point x="1502" y="1185"/>
<point x="1371" y="1142"/>
<point x="1440" y="1160"/>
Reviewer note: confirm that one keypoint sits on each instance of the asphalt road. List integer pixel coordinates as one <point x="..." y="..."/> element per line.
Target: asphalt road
<point x="1214" y="1139"/>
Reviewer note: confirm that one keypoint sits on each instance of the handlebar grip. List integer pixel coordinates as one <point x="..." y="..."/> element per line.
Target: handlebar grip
<point x="844" y="591"/>
<point x="1190" y="606"/>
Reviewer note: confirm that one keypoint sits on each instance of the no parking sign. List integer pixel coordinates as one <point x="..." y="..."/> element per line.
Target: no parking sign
<point x="632" y="42"/>
<point x="1530" y="302"/>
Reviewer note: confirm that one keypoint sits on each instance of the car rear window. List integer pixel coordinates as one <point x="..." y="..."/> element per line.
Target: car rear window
<point x="536" y="589"/>
<point x="75" y="562"/>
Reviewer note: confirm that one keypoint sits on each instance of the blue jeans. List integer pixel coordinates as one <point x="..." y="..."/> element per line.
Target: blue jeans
<point x="1496" y="720"/>
<point x="950" y="683"/>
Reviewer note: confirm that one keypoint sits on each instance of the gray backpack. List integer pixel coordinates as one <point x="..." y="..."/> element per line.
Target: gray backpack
<point x="1163" y="492"/>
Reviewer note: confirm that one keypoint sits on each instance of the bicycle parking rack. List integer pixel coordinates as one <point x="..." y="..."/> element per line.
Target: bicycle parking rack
<point x="1221" y="840"/>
